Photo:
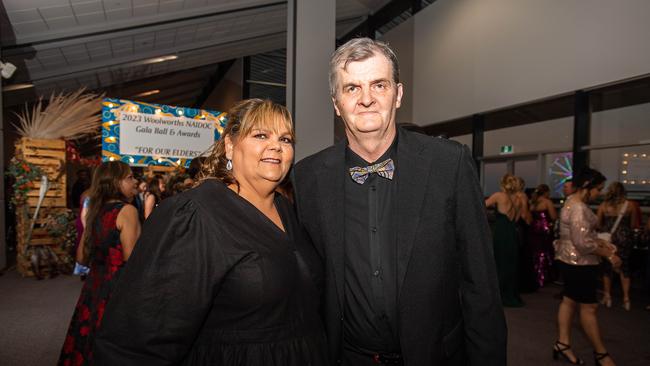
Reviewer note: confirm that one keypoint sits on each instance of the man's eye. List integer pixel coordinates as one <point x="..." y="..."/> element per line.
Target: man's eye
<point x="351" y="89"/>
<point x="380" y="86"/>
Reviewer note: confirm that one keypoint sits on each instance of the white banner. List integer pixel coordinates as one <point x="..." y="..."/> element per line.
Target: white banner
<point x="164" y="136"/>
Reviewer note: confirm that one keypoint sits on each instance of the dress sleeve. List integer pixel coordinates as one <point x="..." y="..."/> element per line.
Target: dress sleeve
<point x="484" y="321"/>
<point x="165" y="291"/>
<point x="581" y="230"/>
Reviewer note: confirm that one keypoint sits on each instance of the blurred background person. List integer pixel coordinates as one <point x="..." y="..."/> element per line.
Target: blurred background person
<point x="223" y="273"/>
<point x="80" y="185"/>
<point x="112" y="230"/>
<point x="154" y="194"/>
<point x="540" y="234"/>
<point x="568" y="188"/>
<point x="505" y="241"/>
<point x="526" y="277"/>
<point x="618" y="217"/>
<point x="578" y="253"/>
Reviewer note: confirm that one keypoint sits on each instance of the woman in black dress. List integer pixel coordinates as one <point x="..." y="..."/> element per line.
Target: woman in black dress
<point x="223" y="274"/>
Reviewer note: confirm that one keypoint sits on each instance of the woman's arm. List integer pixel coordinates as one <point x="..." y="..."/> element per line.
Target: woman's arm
<point x="524" y="211"/>
<point x="601" y="214"/>
<point x="492" y="200"/>
<point x="128" y="224"/>
<point x="149" y="204"/>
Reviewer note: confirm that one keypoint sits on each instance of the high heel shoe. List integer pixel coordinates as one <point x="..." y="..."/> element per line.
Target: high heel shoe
<point x="600" y="356"/>
<point x="626" y="305"/>
<point x="560" y="348"/>
<point x="607" y="301"/>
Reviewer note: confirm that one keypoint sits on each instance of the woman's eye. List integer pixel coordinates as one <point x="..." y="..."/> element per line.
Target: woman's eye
<point x="286" y="140"/>
<point x="260" y="136"/>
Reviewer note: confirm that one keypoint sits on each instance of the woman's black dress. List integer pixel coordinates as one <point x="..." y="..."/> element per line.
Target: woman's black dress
<point x="212" y="281"/>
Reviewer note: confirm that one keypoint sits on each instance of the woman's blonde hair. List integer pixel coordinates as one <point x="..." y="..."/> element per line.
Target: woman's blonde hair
<point x="244" y="117"/>
<point x="616" y="194"/>
<point x="509" y="183"/>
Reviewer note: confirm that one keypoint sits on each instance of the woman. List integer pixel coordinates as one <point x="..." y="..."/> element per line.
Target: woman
<point x="615" y="203"/>
<point x="540" y="233"/>
<point x="113" y="228"/>
<point x="506" y="251"/>
<point x="527" y="279"/>
<point x="154" y="194"/>
<point x="578" y="252"/>
<point x="223" y="275"/>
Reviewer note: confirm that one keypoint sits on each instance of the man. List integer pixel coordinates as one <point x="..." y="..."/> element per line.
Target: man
<point x="399" y="219"/>
<point x="568" y="188"/>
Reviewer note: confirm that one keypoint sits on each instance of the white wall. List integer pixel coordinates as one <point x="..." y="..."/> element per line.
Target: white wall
<point x="473" y="56"/>
<point x="401" y="42"/>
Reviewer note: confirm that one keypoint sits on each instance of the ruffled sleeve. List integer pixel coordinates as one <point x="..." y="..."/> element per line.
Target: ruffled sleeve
<point x="166" y="290"/>
<point x="581" y="229"/>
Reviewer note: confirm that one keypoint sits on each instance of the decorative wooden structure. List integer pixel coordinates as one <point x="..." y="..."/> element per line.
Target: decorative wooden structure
<point x="50" y="156"/>
<point x="152" y="170"/>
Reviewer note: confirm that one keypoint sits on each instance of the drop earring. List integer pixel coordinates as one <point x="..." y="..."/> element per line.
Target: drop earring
<point x="229" y="165"/>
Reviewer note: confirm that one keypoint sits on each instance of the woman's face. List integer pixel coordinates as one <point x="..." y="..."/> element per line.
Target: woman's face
<point x="129" y="186"/>
<point x="161" y="186"/>
<point x="595" y="192"/>
<point x="262" y="157"/>
<point x="142" y="187"/>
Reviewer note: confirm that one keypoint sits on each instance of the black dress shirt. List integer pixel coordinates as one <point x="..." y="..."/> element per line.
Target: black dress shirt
<point x="370" y="310"/>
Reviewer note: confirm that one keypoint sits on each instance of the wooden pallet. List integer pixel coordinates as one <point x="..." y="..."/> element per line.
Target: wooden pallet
<point x="50" y="156"/>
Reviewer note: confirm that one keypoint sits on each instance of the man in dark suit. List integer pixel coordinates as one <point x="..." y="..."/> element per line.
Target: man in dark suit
<point x="398" y="218"/>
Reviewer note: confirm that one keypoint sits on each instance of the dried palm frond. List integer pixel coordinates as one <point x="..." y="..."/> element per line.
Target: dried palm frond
<point x="67" y="116"/>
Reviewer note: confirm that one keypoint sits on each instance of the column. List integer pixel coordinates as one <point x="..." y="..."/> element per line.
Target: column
<point x="311" y="38"/>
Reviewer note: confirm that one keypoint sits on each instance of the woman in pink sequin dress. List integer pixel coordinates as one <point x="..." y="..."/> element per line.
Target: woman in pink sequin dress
<point x="540" y="234"/>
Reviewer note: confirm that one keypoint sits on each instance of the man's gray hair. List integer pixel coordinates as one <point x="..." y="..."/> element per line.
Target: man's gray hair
<point x="359" y="49"/>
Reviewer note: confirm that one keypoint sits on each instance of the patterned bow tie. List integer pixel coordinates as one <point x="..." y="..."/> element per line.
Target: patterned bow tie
<point x="384" y="169"/>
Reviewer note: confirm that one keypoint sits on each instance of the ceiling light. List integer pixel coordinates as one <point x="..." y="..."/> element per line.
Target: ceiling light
<point x="147" y="93"/>
<point x="16" y="87"/>
<point x="161" y="59"/>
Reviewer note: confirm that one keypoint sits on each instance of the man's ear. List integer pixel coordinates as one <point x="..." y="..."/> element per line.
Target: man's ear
<point x="336" y="108"/>
<point x="400" y="92"/>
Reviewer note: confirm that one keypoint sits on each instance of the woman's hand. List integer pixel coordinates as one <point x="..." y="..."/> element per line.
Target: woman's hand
<point x="615" y="261"/>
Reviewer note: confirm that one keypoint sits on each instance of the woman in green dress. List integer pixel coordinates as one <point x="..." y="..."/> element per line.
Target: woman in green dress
<point x="506" y="246"/>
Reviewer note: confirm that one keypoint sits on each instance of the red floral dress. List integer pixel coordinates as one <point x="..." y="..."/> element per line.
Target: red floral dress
<point x="104" y="270"/>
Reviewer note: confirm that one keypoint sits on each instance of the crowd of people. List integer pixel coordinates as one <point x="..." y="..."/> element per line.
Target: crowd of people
<point x="534" y="245"/>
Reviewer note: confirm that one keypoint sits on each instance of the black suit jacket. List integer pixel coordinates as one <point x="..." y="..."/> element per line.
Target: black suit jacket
<point x="449" y="309"/>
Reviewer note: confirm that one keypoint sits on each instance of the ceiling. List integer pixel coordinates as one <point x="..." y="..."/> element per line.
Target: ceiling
<point x="128" y="47"/>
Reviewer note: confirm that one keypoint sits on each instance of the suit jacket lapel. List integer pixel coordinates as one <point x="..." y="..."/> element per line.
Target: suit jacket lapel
<point x="331" y="189"/>
<point x="412" y="170"/>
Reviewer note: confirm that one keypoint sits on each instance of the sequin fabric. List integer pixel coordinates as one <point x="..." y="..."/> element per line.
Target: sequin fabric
<point x="577" y="240"/>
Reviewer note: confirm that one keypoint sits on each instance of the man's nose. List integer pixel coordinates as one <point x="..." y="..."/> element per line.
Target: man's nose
<point x="366" y="99"/>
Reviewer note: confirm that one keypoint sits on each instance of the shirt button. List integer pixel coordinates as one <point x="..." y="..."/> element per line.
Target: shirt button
<point x="373" y="229"/>
<point x="373" y="188"/>
<point x="376" y="273"/>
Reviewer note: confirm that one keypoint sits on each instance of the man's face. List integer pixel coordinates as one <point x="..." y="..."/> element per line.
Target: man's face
<point x="367" y="97"/>
<point x="567" y="189"/>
